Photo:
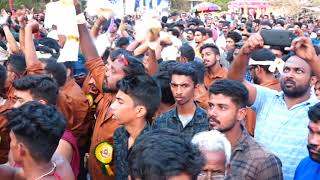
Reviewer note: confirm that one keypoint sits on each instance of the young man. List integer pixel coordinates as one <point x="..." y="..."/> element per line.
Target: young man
<point x="216" y="149"/>
<point x="133" y="109"/>
<point x="179" y="159"/>
<point x="227" y="107"/>
<point x="44" y="89"/>
<point x="187" y="117"/>
<point x="280" y="112"/>
<point x="309" y="167"/>
<point x="211" y="59"/>
<point x="199" y="40"/>
<point x="36" y="130"/>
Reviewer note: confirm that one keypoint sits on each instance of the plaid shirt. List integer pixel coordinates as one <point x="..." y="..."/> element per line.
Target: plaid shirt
<point x="249" y="160"/>
<point x="120" y="138"/>
<point x="171" y="120"/>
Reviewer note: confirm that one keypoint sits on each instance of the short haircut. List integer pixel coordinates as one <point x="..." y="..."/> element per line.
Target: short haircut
<point x="144" y="91"/>
<point x="40" y="86"/>
<point x="163" y="80"/>
<point x="39" y="127"/>
<point x="186" y="70"/>
<point x="314" y="113"/>
<point x="18" y="63"/>
<point x="213" y="141"/>
<point x="235" y="36"/>
<point x="174" y="32"/>
<point x="281" y="22"/>
<point x="3" y="78"/>
<point x="58" y="71"/>
<point x="163" y="153"/>
<point x="231" y="88"/>
<point x="123" y="41"/>
<point x="187" y="51"/>
<point x="187" y="30"/>
<point x="167" y="65"/>
<point x="209" y="32"/>
<point x="200" y="70"/>
<point x="69" y="65"/>
<point x="201" y="30"/>
<point x="213" y="48"/>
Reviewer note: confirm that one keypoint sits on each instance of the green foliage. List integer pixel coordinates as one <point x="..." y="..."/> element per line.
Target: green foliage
<point x="36" y="4"/>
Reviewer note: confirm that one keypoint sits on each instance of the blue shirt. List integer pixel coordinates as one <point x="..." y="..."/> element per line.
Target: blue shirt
<point x="316" y="41"/>
<point x="171" y="120"/>
<point x="307" y="170"/>
<point x="281" y="130"/>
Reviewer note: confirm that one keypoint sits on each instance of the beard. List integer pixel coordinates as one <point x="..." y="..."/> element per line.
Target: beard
<point x="314" y="157"/>
<point x="294" y="91"/>
<point x="255" y="79"/>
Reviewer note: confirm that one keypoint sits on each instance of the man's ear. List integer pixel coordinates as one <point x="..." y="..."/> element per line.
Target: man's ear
<point x="313" y="80"/>
<point x="141" y="111"/>
<point x="241" y="115"/>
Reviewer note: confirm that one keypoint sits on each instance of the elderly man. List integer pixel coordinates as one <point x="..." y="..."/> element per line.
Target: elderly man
<point x="216" y="148"/>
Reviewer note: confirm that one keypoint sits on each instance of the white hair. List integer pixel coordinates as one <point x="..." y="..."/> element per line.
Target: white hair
<point x="213" y="141"/>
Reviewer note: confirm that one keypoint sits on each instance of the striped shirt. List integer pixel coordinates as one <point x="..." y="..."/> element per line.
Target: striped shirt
<point x="281" y="130"/>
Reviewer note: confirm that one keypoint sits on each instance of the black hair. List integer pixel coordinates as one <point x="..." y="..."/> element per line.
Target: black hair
<point x="123" y="41"/>
<point x="69" y="65"/>
<point x="187" y="51"/>
<point x="58" y="71"/>
<point x="231" y="88"/>
<point x="174" y="32"/>
<point x="213" y="48"/>
<point x="40" y="86"/>
<point x="3" y="78"/>
<point x="256" y="21"/>
<point x="163" y="80"/>
<point x="167" y="65"/>
<point x="39" y="127"/>
<point x="17" y="62"/>
<point x="263" y="55"/>
<point x="144" y="91"/>
<point x="201" y="30"/>
<point x="114" y="54"/>
<point x="186" y="70"/>
<point x="281" y="22"/>
<point x="235" y="36"/>
<point x="298" y="24"/>
<point x="2" y="32"/>
<point x="209" y="32"/>
<point x="163" y="153"/>
<point x="314" y="112"/>
<point x="192" y="30"/>
<point x="200" y="70"/>
<point x="164" y="19"/>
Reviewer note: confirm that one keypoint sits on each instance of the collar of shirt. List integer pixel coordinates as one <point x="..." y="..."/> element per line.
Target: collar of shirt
<point x="311" y="100"/>
<point x="242" y="143"/>
<point x="194" y="120"/>
<point x="221" y="73"/>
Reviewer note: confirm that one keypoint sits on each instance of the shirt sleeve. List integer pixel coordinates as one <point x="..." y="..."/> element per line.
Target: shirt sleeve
<point x="271" y="168"/>
<point x="263" y="95"/>
<point x="97" y="70"/>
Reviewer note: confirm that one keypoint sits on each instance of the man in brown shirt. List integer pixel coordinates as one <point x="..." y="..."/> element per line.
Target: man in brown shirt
<point x="214" y="71"/>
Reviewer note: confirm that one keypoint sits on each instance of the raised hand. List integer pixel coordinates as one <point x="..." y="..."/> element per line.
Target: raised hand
<point x="254" y="42"/>
<point x="33" y="25"/>
<point x="303" y="47"/>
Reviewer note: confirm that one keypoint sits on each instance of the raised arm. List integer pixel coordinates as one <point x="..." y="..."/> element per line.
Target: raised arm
<point x="11" y="40"/>
<point x="22" y="23"/>
<point x="239" y="66"/>
<point x="30" y="50"/>
<point x="96" y="27"/>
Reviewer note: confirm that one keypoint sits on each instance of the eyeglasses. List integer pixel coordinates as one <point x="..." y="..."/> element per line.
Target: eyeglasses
<point x="213" y="176"/>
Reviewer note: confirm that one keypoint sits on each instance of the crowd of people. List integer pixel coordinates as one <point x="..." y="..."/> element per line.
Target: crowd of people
<point x="190" y="98"/>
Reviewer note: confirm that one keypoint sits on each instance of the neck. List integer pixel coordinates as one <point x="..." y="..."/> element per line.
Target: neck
<point x="135" y="128"/>
<point x="34" y="170"/>
<point x="186" y="109"/>
<point x="267" y="78"/>
<point x="291" y="101"/>
<point x="213" y="69"/>
<point x="234" y="135"/>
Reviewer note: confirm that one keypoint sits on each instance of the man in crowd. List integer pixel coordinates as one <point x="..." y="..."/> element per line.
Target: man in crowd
<point x="35" y="132"/>
<point x="309" y="167"/>
<point x="227" y="107"/>
<point x="199" y="40"/>
<point x="133" y="109"/>
<point x="280" y="112"/>
<point x="179" y="159"/>
<point x="216" y="149"/>
<point x="187" y="117"/>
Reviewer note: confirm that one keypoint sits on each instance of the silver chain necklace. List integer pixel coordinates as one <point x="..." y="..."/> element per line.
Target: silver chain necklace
<point x="46" y="174"/>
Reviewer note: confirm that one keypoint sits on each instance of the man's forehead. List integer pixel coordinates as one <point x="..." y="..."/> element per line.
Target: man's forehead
<point x="296" y="62"/>
<point x="180" y="78"/>
<point x="315" y="125"/>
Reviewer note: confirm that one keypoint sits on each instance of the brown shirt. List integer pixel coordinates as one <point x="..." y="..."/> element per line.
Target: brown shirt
<point x="4" y="132"/>
<point x="251" y="115"/>
<point x="210" y="78"/>
<point x="105" y="126"/>
<point x="73" y="103"/>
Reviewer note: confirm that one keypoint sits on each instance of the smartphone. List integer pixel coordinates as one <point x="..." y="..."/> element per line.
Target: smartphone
<point x="275" y="37"/>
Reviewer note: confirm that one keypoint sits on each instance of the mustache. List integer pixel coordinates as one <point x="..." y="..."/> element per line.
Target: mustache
<point x="313" y="147"/>
<point x="214" y="120"/>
